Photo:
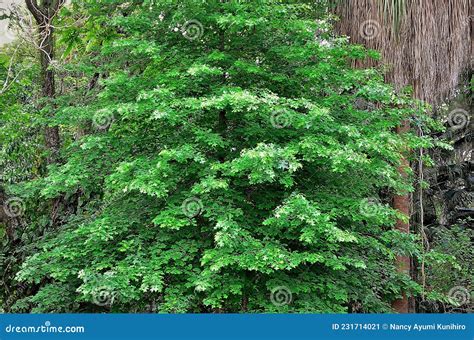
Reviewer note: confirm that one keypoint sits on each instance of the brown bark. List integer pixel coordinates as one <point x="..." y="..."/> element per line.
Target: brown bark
<point x="44" y="15"/>
<point x="426" y="41"/>
<point x="402" y="204"/>
<point x="424" y="47"/>
<point x="48" y="88"/>
<point x="245" y="304"/>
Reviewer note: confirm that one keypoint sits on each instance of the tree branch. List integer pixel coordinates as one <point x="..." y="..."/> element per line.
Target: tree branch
<point x="34" y="9"/>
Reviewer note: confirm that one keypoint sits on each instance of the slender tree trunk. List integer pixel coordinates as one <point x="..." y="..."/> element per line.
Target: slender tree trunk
<point x="44" y="15"/>
<point x="51" y="134"/>
<point x="402" y="204"/>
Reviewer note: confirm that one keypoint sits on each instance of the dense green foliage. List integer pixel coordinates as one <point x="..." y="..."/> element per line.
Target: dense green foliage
<point x="228" y="150"/>
<point x="453" y="277"/>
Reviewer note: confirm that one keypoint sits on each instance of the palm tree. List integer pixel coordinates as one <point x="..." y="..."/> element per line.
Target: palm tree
<point x="426" y="45"/>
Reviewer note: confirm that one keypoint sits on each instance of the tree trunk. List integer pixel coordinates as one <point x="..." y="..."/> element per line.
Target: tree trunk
<point x="51" y="134"/>
<point x="402" y="204"/>
<point x="44" y="15"/>
<point x="424" y="47"/>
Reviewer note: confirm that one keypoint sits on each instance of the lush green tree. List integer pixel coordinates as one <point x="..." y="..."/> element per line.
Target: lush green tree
<point x="227" y="159"/>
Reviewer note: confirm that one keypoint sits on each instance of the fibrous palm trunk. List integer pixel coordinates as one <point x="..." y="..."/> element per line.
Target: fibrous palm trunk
<point x="426" y="44"/>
